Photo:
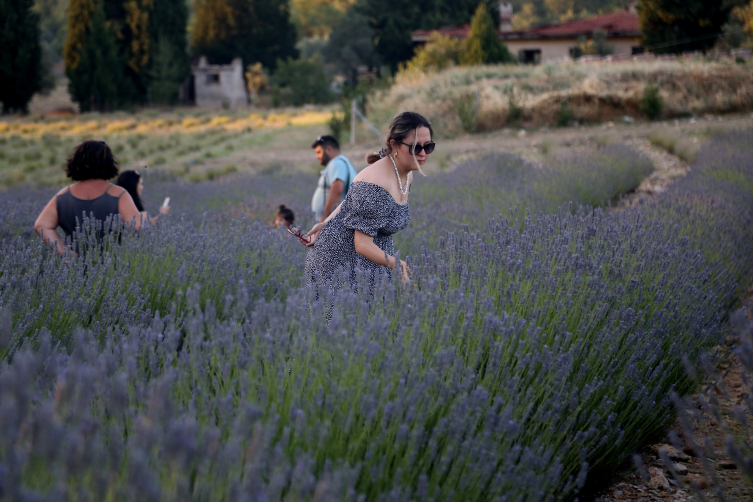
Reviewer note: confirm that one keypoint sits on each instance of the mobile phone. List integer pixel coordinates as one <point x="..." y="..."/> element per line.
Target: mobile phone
<point x="166" y="202"/>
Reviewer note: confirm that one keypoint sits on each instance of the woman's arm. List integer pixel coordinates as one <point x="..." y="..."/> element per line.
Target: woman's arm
<point x="47" y="224"/>
<point x="129" y="213"/>
<point x="314" y="232"/>
<point x="365" y="246"/>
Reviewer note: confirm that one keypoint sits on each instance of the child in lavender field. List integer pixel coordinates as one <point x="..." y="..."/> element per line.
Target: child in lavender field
<point x="134" y="183"/>
<point x="359" y="231"/>
<point x="91" y="166"/>
<point x="285" y="217"/>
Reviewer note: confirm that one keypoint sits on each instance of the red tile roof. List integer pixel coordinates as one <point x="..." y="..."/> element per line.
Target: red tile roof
<point x="621" y="23"/>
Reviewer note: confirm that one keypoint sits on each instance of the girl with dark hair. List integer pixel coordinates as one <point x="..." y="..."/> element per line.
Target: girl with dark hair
<point x="285" y="217"/>
<point x="359" y="232"/>
<point x="90" y="166"/>
<point x="134" y="184"/>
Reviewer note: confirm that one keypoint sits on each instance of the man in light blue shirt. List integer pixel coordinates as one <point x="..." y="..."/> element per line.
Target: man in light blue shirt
<point x="335" y="178"/>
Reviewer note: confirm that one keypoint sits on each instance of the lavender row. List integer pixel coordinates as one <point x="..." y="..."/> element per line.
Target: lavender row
<point x="530" y="352"/>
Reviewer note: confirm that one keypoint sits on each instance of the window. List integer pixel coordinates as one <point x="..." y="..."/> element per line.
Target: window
<point x="638" y="50"/>
<point x="213" y="78"/>
<point x="529" y="56"/>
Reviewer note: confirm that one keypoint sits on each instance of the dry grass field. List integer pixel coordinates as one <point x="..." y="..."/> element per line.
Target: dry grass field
<point x="567" y="92"/>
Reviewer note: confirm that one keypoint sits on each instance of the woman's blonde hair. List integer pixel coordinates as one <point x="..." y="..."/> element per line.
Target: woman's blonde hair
<point x="400" y="128"/>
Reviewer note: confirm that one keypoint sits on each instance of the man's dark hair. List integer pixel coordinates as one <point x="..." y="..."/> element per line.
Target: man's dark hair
<point x="92" y="160"/>
<point x="325" y="141"/>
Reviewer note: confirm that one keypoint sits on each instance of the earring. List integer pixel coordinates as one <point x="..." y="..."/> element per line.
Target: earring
<point x="395" y="153"/>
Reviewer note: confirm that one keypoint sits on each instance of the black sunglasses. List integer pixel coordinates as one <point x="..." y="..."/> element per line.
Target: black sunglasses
<point x="298" y="232"/>
<point x="428" y="147"/>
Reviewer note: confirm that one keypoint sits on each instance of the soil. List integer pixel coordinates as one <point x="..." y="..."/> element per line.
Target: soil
<point x="723" y="481"/>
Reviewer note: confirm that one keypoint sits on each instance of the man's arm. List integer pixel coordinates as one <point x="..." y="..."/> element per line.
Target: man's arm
<point x="333" y="197"/>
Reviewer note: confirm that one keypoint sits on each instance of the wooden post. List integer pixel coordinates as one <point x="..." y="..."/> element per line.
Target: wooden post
<point x="353" y="108"/>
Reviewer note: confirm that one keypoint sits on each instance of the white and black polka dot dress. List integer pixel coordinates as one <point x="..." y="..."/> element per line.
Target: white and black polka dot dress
<point x="368" y="208"/>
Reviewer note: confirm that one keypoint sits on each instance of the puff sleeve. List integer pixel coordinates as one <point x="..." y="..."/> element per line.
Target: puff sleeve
<point x="368" y="208"/>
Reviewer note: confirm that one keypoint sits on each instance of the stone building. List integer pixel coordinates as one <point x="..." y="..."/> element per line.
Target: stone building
<point x="557" y="41"/>
<point x="217" y="86"/>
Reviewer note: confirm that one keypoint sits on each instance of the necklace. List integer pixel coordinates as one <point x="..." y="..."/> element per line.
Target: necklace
<point x="402" y="191"/>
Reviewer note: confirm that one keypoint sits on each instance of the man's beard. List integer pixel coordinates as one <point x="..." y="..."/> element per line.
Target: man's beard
<point x="325" y="159"/>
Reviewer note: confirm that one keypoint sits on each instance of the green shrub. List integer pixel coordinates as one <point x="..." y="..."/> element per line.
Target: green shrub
<point x="467" y="108"/>
<point x="339" y="122"/>
<point x="299" y="82"/>
<point x="564" y="114"/>
<point x="514" y="110"/>
<point x="652" y="103"/>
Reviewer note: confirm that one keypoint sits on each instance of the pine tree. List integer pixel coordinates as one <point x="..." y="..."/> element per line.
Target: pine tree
<point x="483" y="45"/>
<point x="671" y="26"/>
<point x="95" y="73"/>
<point x="255" y="30"/>
<point x="20" y="55"/>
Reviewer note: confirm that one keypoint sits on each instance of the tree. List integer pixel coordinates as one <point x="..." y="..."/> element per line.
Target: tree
<point x="166" y="72"/>
<point x="595" y="46"/>
<point x="95" y="70"/>
<point x="438" y="53"/>
<point x="20" y="56"/>
<point x="393" y="21"/>
<point x="300" y="82"/>
<point x="254" y="30"/>
<point x="316" y="18"/>
<point x="672" y="26"/>
<point x="169" y="63"/>
<point x="350" y="45"/>
<point x="483" y="45"/>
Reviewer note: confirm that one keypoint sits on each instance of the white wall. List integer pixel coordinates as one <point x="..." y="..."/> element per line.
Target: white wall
<point x="231" y="88"/>
<point x="559" y="49"/>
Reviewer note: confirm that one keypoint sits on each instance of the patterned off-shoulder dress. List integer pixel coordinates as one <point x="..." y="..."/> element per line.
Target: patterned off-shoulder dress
<point x="370" y="209"/>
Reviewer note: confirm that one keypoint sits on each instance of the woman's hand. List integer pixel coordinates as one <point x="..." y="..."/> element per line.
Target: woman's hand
<point x="314" y="233"/>
<point x="405" y="272"/>
<point x="164" y="210"/>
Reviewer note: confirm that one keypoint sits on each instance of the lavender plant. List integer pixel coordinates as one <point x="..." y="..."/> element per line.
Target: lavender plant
<point x="533" y="350"/>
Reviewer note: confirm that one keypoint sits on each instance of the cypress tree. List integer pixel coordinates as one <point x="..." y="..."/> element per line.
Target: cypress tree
<point x="169" y="63"/>
<point x="94" y="70"/>
<point x="255" y="30"/>
<point x="483" y="45"/>
<point x="20" y="55"/>
<point x="672" y="26"/>
<point x="393" y="21"/>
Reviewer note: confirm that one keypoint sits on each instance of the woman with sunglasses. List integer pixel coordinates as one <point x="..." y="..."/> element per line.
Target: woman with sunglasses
<point x="358" y="234"/>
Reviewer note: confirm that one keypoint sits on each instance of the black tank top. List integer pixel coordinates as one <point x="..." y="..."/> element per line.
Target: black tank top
<point x="71" y="210"/>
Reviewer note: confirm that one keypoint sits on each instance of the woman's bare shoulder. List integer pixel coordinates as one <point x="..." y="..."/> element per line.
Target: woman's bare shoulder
<point x="63" y="190"/>
<point x="115" y="190"/>
<point x="373" y="174"/>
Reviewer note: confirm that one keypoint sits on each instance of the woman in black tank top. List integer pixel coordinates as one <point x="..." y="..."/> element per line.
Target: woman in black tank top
<point x="91" y="165"/>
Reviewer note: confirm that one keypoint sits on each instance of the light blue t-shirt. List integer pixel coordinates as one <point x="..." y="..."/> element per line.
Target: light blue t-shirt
<point x="338" y="168"/>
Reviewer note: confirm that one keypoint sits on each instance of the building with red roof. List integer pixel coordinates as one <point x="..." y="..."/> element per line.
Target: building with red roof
<point x="556" y="41"/>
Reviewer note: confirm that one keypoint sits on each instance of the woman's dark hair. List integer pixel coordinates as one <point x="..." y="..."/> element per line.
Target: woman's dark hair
<point x="400" y="128"/>
<point x="286" y="213"/>
<point x="130" y="181"/>
<point x="92" y="160"/>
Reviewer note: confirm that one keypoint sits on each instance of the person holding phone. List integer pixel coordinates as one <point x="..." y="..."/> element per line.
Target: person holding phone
<point x="359" y="231"/>
<point x="133" y="182"/>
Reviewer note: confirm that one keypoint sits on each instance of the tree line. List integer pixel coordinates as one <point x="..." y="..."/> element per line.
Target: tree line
<point x="121" y="53"/>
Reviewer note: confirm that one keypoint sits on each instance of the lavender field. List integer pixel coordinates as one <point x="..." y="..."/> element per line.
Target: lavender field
<point x="535" y="350"/>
